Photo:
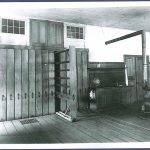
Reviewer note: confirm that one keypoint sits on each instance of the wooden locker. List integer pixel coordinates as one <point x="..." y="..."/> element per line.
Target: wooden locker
<point x="38" y="72"/>
<point x="10" y="84"/>
<point x="85" y="78"/>
<point x="31" y="83"/>
<point x="51" y="83"/>
<point x="45" y="81"/>
<point x="17" y="84"/>
<point x="2" y="85"/>
<point x="80" y="79"/>
<point x="25" y="98"/>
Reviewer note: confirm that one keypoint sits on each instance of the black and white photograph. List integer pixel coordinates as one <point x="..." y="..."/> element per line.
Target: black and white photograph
<point x="74" y="74"/>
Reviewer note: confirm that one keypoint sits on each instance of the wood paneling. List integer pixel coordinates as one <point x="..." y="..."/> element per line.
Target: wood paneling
<point x="113" y="97"/>
<point x="25" y="81"/>
<point x="51" y="83"/>
<point x="31" y="83"/>
<point x="38" y="60"/>
<point x="3" y="85"/>
<point x="45" y="81"/>
<point x="18" y="84"/>
<point x="10" y="84"/>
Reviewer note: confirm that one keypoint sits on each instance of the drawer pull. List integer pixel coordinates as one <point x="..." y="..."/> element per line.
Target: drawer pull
<point x="18" y="96"/>
<point x="32" y="95"/>
<point x="3" y="97"/>
<point x="25" y="95"/>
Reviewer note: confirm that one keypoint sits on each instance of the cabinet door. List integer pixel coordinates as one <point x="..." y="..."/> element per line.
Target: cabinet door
<point x="31" y="83"/>
<point x="17" y="84"/>
<point x="10" y="84"/>
<point x="45" y="80"/>
<point x="42" y="32"/>
<point x="51" y="83"/>
<point x="34" y="30"/>
<point x="55" y="34"/>
<point x="25" y="83"/>
<point x="38" y="60"/>
<point x="2" y="84"/>
<point x="80" y="79"/>
<point x="85" y="77"/>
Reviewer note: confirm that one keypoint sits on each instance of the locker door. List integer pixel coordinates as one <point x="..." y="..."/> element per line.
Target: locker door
<point x="38" y="59"/>
<point x="31" y="83"/>
<point x="2" y="84"/>
<point x="80" y="79"/>
<point x="17" y="84"/>
<point x="24" y="83"/>
<point x="10" y="84"/>
<point x="85" y="80"/>
<point x="51" y="84"/>
<point x="45" y="77"/>
<point x="139" y="77"/>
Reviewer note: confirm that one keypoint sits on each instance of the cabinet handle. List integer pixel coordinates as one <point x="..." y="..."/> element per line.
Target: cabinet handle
<point x="80" y="91"/>
<point x="45" y="93"/>
<point x="32" y="95"/>
<point x="39" y="94"/>
<point x="18" y="96"/>
<point x="52" y="93"/>
<point x="10" y="96"/>
<point x="85" y="90"/>
<point x="25" y="95"/>
<point x="73" y="97"/>
<point x="69" y="92"/>
<point x="3" y="97"/>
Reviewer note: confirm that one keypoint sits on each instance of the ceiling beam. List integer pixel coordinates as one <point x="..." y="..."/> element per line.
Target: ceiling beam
<point x="124" y="37"/>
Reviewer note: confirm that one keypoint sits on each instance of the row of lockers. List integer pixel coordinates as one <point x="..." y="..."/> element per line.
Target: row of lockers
<point x="25" y="88"/>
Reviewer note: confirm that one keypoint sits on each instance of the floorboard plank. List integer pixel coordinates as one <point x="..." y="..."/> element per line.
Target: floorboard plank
<point x="54" y="134"/>
<point x="3" y="130"/>
<point x="10" y="128"/>
<point x="136" y="133"/>
<point x="77" y="131"/>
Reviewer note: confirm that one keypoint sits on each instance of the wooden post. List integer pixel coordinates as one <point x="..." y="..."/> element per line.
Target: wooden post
<point x="73" y="83"/>
<point x="143" y="37"/>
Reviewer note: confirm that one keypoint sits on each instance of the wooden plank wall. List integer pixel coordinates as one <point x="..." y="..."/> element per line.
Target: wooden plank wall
<point x="110" y="97"/>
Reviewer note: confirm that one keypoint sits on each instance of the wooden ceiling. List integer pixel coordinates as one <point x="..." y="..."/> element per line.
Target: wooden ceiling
<point x="133" y="18"/>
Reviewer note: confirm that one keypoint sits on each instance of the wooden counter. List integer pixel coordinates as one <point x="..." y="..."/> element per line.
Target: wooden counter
<point x="115" y="96"/>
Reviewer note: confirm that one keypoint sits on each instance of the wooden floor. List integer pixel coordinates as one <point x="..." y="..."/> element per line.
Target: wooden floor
<point x="91" y="128"/>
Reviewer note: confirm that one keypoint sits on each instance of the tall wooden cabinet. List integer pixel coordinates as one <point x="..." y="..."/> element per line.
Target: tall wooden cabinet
<point x="46" y="33"/>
